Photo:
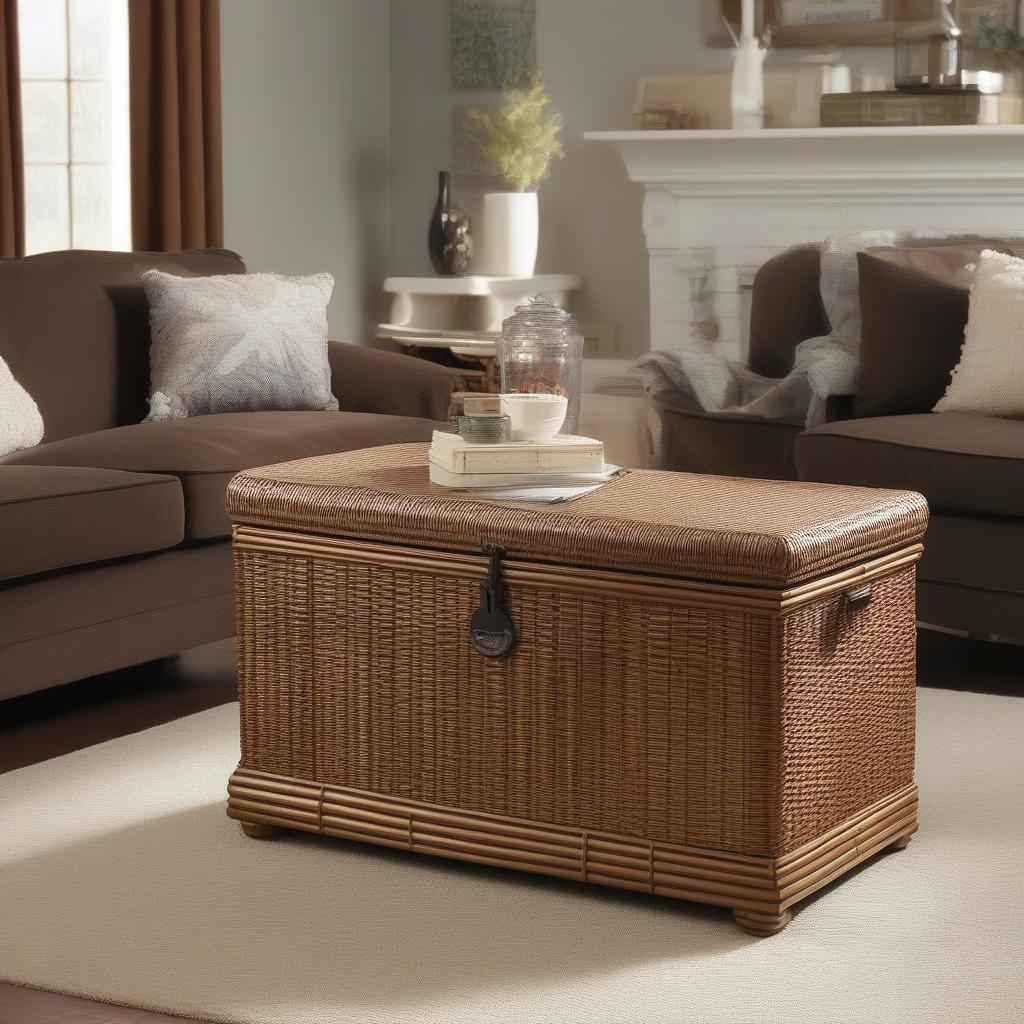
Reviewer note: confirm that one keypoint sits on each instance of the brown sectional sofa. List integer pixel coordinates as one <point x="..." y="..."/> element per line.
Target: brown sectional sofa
<point x="969" y="467"/>
<point x="113" y="536"/>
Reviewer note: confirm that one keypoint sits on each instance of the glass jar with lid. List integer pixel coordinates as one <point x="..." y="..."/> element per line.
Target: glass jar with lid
<point x="540" y="352"/>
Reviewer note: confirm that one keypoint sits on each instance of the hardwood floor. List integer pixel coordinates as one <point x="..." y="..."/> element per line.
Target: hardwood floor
<point x="39" y="726"/>
<point x="26" y="1006"/>
<point x="47" y="724"/>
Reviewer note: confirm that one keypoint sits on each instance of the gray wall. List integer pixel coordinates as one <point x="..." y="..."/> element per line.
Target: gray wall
<point x="337" y="117"/>
<point x="306" y="145"/>
<point x="591" y="53"/>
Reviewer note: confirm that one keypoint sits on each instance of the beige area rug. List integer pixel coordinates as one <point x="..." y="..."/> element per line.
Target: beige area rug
<point x="121" y="879"/>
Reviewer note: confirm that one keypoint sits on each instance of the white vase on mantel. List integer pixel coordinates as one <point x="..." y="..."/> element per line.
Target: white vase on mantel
<point x="748" y="75"/>
<point x="509" y="233"/>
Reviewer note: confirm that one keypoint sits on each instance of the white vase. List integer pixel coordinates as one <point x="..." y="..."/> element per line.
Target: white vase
<point x="509" y="233"/>
<point x="748" y="85"/>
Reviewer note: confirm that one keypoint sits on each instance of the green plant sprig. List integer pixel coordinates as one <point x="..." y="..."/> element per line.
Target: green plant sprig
<point x="520" y="136"/>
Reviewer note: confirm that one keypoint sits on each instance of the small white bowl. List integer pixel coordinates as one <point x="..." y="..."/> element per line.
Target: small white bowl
<point x="535" y="417"/>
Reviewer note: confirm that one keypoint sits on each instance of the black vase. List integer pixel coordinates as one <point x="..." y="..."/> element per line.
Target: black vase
<point x="449" y="240"/>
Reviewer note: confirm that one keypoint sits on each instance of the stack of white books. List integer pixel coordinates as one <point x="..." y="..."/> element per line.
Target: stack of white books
<point x="561" y="462"/>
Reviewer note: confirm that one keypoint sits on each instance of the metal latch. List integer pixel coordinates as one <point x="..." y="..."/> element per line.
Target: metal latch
<point x="491" y="629"/>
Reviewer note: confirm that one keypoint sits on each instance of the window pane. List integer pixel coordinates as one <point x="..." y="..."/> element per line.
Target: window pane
<point x="47" y="221"/>
<point x="44" y="111"/>
<point x="43" y="40"/>
<point x="90" y="121"/>
<point x="90" y="38"/>
<point x="93" y="212"/>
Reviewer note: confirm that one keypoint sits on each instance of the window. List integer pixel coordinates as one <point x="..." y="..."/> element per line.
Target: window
<point x="74" y="100"/>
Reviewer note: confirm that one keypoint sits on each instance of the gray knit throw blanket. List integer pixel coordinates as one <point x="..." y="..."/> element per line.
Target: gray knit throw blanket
<point x="822" y="367"/>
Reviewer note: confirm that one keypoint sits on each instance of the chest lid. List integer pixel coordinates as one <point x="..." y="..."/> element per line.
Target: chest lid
<point x="769" y="533"/>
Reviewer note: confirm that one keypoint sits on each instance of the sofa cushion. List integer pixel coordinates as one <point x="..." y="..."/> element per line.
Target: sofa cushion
<point x="913" y="305"/>
<point x="958" y="461"/>
<point x="52" y="517"/>
<point x="21" y="426"/>
<point x="237" y="343"/>
<point x="989" y="378"/>
<point x="785" y="309"/>
<point x="75" y="330"/>
<point x="980" y="552"/>
<point x="726" y="445"/>
<point x="205" y="452"/>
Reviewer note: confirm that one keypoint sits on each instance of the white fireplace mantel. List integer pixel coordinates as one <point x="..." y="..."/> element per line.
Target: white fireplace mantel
<point x="719" y="203"/>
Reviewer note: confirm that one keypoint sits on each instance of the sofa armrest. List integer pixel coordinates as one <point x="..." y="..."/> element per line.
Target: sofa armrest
<point x="369" y="380"/>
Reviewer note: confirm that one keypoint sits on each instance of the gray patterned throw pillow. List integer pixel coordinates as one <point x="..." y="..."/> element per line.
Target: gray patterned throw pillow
<point x="237" y="343"/>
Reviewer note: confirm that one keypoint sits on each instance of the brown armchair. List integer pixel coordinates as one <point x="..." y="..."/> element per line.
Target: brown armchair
<point x="969" y="467"/>
<point x="785" y="310"/>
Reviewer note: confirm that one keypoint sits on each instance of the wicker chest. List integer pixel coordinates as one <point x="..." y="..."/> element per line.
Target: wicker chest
<point x="696" y="686"/>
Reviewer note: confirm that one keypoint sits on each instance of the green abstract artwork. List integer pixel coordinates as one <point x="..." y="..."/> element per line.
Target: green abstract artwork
<point x="491" y="43"/>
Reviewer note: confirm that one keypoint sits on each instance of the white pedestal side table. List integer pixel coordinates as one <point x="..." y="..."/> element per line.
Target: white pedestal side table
<point x="463" y="314"/>
<point x="475" y="303"/>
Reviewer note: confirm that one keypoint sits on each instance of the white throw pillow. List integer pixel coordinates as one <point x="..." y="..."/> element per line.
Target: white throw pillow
<point x="237" y="343"/>
<point x="21" y="425"/>
<point x="989" y="379"/>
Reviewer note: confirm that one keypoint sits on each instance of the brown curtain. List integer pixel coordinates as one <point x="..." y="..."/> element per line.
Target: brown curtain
<point x="177" y="195"/>
<point x="12" y="166"/>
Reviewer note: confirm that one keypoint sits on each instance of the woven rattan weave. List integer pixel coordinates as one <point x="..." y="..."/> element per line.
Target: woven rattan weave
<point x="727" y="722"/>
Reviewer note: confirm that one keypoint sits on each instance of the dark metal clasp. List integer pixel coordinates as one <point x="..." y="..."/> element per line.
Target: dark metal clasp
<point x="491" y="629"/>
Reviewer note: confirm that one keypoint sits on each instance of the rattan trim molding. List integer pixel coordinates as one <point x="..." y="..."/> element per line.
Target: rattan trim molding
<point x="749" y="885"/>
<point x="570" y="578"/>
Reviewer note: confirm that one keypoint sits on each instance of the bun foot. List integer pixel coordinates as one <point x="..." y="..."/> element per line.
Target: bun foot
<point x="254" y="830"/>
<point x="901" y="843"/>
<point x="761" y="924"/>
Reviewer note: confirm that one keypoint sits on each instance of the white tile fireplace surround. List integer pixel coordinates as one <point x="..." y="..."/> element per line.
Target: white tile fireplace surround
<point x="719" y="203"/>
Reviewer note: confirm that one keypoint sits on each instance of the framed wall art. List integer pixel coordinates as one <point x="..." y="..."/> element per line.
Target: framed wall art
<point x="821" y="22"/>
<point x="491" y="43"/>
<point x="985" y="24"/>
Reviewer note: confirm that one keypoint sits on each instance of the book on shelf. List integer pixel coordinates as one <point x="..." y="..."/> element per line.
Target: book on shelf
<point x="565" y="454"/>
<point x="898" y="108"/>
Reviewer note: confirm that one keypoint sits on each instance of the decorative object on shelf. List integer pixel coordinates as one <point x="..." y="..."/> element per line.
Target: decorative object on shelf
<point x="521" y="137"/>
<point x="541" y="353"/>
<point x="748" y="75"/>
<point x="994" y="33"/>
<point x="816" y="22"/>
<point x="899" y="108"/>
<point x="485" y="429"/>
<point x="820" y="74"/>
<point x="449" y="240"/>
<point x="928" y="49"/>
<point x="662" y="116"/>
<point x="947" y="71"/>
<point x="491" y="45"/>
<point x="874" y="78"/>
<point x="702" y="101"/>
